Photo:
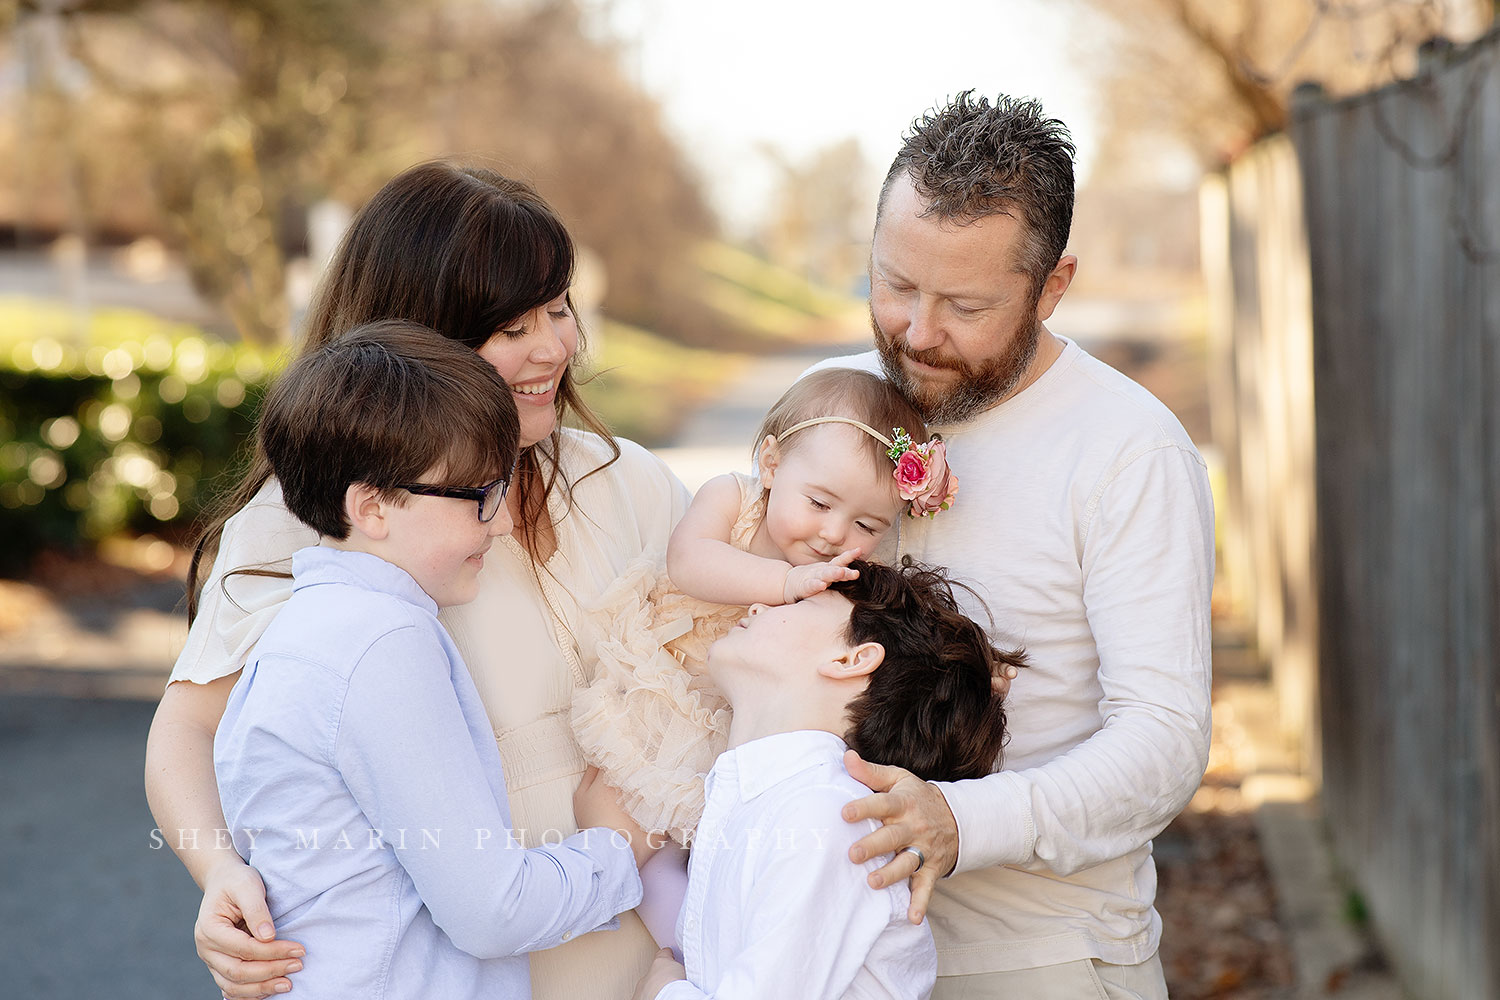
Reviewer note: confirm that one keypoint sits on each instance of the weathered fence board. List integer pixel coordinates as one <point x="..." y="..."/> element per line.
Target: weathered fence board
<point x="1394" y="186"/>
<point x="1399" y="200"/>
<point x="1255" y="262"/>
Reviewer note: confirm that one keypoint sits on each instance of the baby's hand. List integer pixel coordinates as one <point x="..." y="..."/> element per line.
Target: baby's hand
<point x="803" y="582"/>
<point x="596" y="804"/>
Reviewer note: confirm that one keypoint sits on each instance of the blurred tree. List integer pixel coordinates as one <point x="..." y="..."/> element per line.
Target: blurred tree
<point x="230" y="115"/>
<point x="1216" y="75"/>
<point x="819" y="223"/>
<point x="527" y="86"/>
<point x="236" y="115"/>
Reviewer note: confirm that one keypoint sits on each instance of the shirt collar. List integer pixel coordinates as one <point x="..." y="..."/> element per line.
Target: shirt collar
<point x="321" y="564"/>
<point x="770" y="760"/>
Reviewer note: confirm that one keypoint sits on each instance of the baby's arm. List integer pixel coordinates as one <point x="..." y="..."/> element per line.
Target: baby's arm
<point x="703" y="564"/>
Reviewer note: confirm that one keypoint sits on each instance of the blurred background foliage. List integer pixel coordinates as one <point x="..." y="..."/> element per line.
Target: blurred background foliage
<point x="217" y="125"/>
<point x="218" y="135"/>
<point x="228" y="140"/>
<point x="120" y="430"/>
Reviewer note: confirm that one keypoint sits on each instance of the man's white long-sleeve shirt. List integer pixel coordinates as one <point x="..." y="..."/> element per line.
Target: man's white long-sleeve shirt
<point x="1085" y="523"/>
<point x="774" y="907"/>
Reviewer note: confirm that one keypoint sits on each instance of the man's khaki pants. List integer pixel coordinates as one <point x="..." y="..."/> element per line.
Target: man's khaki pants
<point x="1082" y="980"/>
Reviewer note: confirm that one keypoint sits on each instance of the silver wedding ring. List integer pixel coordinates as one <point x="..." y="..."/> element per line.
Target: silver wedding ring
<point x="921" y="858"/>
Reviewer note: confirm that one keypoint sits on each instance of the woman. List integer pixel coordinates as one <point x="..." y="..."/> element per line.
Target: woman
<point x="483" y="260"/>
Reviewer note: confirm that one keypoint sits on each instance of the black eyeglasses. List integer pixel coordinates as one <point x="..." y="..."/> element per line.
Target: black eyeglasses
<point x="489" y="496"/>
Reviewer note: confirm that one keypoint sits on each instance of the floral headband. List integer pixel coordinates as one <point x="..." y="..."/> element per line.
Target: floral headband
<point x="922" y="474"/>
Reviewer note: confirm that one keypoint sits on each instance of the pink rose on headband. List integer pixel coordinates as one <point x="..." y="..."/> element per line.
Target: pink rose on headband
<point x="922" y="474"/>
<point x="923" y="477"/>
<point x="911" y="474"/>
<point x="941" y="486"/>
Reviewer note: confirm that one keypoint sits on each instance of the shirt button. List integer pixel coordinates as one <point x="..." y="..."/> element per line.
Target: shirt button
<point x="567" y="935"/>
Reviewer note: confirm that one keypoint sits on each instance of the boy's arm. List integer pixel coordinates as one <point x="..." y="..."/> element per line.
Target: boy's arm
<point x="812" y="923"/>
<point x="409" y="757"/>
<point x="703" y="564"/>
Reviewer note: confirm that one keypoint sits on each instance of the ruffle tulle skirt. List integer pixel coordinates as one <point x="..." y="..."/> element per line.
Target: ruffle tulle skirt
<point x="652" y="721"/>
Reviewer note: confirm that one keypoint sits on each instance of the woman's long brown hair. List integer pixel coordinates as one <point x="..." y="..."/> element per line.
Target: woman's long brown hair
<point x="464" y="250"/>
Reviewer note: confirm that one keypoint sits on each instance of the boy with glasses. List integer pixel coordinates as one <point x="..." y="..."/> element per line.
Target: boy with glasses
<point x="357" y="768"/>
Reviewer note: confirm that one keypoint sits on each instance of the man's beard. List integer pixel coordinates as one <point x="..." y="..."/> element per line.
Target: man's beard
<point x="977" y="389"/>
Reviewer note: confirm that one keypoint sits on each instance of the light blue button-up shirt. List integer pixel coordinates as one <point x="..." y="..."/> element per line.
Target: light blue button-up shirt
<point x="359" y="775"/>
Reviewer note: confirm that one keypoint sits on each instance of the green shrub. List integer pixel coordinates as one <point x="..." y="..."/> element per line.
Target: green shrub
<point x="123" y="424"/>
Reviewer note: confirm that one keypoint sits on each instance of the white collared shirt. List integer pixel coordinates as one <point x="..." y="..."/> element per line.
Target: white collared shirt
<point x="774" y="907"/>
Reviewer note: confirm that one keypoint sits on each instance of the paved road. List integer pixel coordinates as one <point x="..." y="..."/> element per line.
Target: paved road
<point x="87" y="908"/>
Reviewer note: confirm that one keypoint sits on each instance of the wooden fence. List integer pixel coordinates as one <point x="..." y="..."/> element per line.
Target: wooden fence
<point x="1255" y="260"/>
<point x="1400" y="197"/>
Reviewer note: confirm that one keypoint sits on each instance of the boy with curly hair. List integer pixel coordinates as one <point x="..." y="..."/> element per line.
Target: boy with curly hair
<point x="885" y="664"/>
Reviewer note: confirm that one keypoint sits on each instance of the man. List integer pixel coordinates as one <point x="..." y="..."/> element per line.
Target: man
<point x="1085" y="524"/>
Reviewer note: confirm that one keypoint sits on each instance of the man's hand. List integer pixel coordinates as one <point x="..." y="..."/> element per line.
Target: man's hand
<point x="914" y="814"/>
<point x="803" y="582"/>
<point x="242" y="964"/>
<point x="664" y="971"/>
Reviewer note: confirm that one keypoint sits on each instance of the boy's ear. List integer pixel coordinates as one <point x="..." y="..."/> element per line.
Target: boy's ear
<point x="860" y="661"/>
<point x="767" y="459"/>
<point x="366" y="511"/>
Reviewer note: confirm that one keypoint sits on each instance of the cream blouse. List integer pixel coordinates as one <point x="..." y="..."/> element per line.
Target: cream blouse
<point x="520" y="640"/>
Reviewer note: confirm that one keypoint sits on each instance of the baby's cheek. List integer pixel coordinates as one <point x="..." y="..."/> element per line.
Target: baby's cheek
<point x="781" y="527"/>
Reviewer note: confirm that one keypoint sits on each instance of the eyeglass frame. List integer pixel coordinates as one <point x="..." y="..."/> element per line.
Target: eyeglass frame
<point x="476" y="493"/>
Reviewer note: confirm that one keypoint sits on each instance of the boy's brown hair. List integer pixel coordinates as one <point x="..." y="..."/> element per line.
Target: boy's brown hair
<point x="930" y="706"/>
<point x="383" y="405"/>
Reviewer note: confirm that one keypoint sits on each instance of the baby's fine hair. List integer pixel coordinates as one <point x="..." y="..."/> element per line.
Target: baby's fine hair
<point x="929" y="707"/>
<point x="842" y="392"/>
<point x="384" y="404"/>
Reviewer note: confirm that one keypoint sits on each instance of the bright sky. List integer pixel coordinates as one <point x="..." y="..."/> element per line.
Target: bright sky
<point x="804" y="74"/>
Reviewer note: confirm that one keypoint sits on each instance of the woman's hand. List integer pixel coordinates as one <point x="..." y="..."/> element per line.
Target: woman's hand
<point x="596" y="804"/>
<point x="804" y="581"/>
<point x="914" y="814"/>
<point x="664" y="971"/>
<point x="242" y="964"/>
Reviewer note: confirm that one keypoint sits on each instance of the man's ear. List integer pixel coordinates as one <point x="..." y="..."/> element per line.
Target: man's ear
<point x="767" y="459"/>
<point x="859" y="661"/>
<point x="366" y="511"/>
<point x="1056" y="284"/>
